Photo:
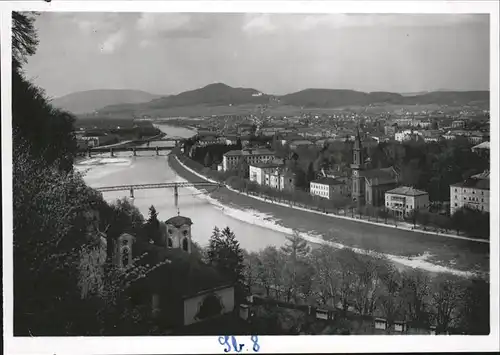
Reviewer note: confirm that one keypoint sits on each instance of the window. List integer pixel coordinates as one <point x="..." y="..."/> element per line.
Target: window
<point x="169" y="242"/>
<point x="170" y="232"/>
<point x="455" y="190"/>
<point x="456" y="205"/>
<point x="185" y="244"/>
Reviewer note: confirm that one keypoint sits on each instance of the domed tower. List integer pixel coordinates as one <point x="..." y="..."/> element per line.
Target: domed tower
<point x="123" y="250"/>
<point x="179" y="233"/>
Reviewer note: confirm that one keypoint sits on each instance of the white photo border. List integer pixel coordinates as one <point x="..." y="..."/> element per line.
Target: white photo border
<point x="275" y="344"/>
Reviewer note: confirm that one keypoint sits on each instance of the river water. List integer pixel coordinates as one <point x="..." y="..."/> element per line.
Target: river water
<point x="206" y="213"/>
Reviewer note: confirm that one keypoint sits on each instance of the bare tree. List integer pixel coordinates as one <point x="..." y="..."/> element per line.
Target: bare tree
<point x="295" y="251"/>
<point x="416" y="292"/>
<point x="325" y="280"/>
<point x="447" y="296"/>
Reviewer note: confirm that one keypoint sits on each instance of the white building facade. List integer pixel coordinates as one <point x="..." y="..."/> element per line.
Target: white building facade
<point x="403" y="200"/>
<point x="472" y="193"/>
<point x="327" y="187"/>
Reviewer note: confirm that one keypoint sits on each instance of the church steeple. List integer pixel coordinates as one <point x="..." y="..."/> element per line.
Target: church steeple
<point x="356" y="167"/>
<point x="357" y="141"/>
<point x="358" y="158"/>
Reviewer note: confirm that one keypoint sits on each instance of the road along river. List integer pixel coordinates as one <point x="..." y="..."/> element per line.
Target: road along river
<point x="256" y="230"/>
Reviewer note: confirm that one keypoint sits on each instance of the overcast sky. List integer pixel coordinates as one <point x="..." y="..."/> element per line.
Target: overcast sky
<point x="277" y="53"/>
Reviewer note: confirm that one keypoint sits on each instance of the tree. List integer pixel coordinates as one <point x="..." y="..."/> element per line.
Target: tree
<point x="390" y="299"/>
<point x="311" y="174"/>
<point x="153" y="225"/>
<point x="415" y="292"/>
<point x="54" y="218"/>
<point x="252" y="269"/>
<point x="325" y="280"/>
<point x="475" y="308"/>
<point x="57" y="143"/>
<point x="271" y="274"/>
<point x="295" y="252"/>
<point x="447" y="296"/>
<point x="225" y="253"/>
<point x="207" y="161"/>
<point x="24" y="38"/>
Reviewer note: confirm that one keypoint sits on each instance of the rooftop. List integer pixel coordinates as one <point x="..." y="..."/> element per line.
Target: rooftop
<point x="384" y="174"/>
<point x="186" y="271"/>
<point x="328" y="181"/>
<point x="301" y="141"/>
<point x="484" y="145"/>
<point x="179" y="221"/>
<point x="247" y="152"/>
<point x="479" y="181"/>
<point x="407" y="191"/>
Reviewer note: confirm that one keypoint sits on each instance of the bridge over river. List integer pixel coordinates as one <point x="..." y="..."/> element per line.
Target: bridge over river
<point x="160" y="185"/>
<point x="134" y="150"/>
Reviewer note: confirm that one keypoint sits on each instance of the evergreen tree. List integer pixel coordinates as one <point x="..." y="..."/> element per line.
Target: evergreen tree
<point x="239" y="146"/>
<point x="311" y="174"/>
<point x="153" y="216"/>
<point x="153" y="225"/>
<point x="225" y="253"/>
<point x="207" y="161"/>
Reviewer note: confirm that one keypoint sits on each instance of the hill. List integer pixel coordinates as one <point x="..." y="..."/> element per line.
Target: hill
<point x="94" y="100"/>
<point x="211" y="95"/>
<point x="221" y="95"/>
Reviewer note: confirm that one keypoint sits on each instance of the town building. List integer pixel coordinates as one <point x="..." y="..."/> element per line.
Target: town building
<point x="390" y="130"/>
<point x="300" y="143"/>
<point x="280" y="178"/>
<point x="231" y="159"/>
<point x="179" y="289"/>
<point x="473" y="193"/>
<point x="407" y="135"/>
<point x="328" y="187"/>
<point x="230" y="140"/>
<point x="482" y="149"/>
<point x="404" y="200"/>
<point x="458" y="124"/>
<point x="257" y="171"/>
<point x="208" y="140"/>
<point x="369" y="185"/>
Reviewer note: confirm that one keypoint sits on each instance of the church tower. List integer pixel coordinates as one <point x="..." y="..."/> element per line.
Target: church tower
<point x="179" y="233"/>
<point x="358" y="192"/>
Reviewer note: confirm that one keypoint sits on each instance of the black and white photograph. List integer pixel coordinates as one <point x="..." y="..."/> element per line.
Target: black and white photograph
<point x="245" y="174"/>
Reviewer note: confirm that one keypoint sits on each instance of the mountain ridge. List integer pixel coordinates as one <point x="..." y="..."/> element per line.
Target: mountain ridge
<point x="88" y="101"/>
<point x="220" y="94"/>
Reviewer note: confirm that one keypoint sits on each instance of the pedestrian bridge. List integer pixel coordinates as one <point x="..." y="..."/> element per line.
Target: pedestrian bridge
<point x="161" y="185"/>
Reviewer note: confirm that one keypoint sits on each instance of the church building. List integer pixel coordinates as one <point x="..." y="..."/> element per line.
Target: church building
<point x="180" y="289"/>
<point x="369" y="185"/>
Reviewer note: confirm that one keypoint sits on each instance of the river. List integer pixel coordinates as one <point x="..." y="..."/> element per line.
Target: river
<point x="206" y="213"/>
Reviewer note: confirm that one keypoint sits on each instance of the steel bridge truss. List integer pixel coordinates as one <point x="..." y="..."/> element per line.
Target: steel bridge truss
<point x="163" y="185"/>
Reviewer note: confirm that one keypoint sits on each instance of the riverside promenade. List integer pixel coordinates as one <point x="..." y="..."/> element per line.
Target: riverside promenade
<point x="461" y="254"/>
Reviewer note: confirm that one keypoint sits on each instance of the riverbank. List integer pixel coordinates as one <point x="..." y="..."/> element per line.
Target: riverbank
<point x="417" y="248"/>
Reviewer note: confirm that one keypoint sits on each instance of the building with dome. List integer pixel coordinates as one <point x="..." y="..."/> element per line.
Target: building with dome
<point x="180" y="288"/>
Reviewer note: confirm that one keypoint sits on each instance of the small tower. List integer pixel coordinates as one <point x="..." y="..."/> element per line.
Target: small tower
<point x="123" y="250"/>
<point x="179" y="233"/>
<point x="358" y="193"/>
